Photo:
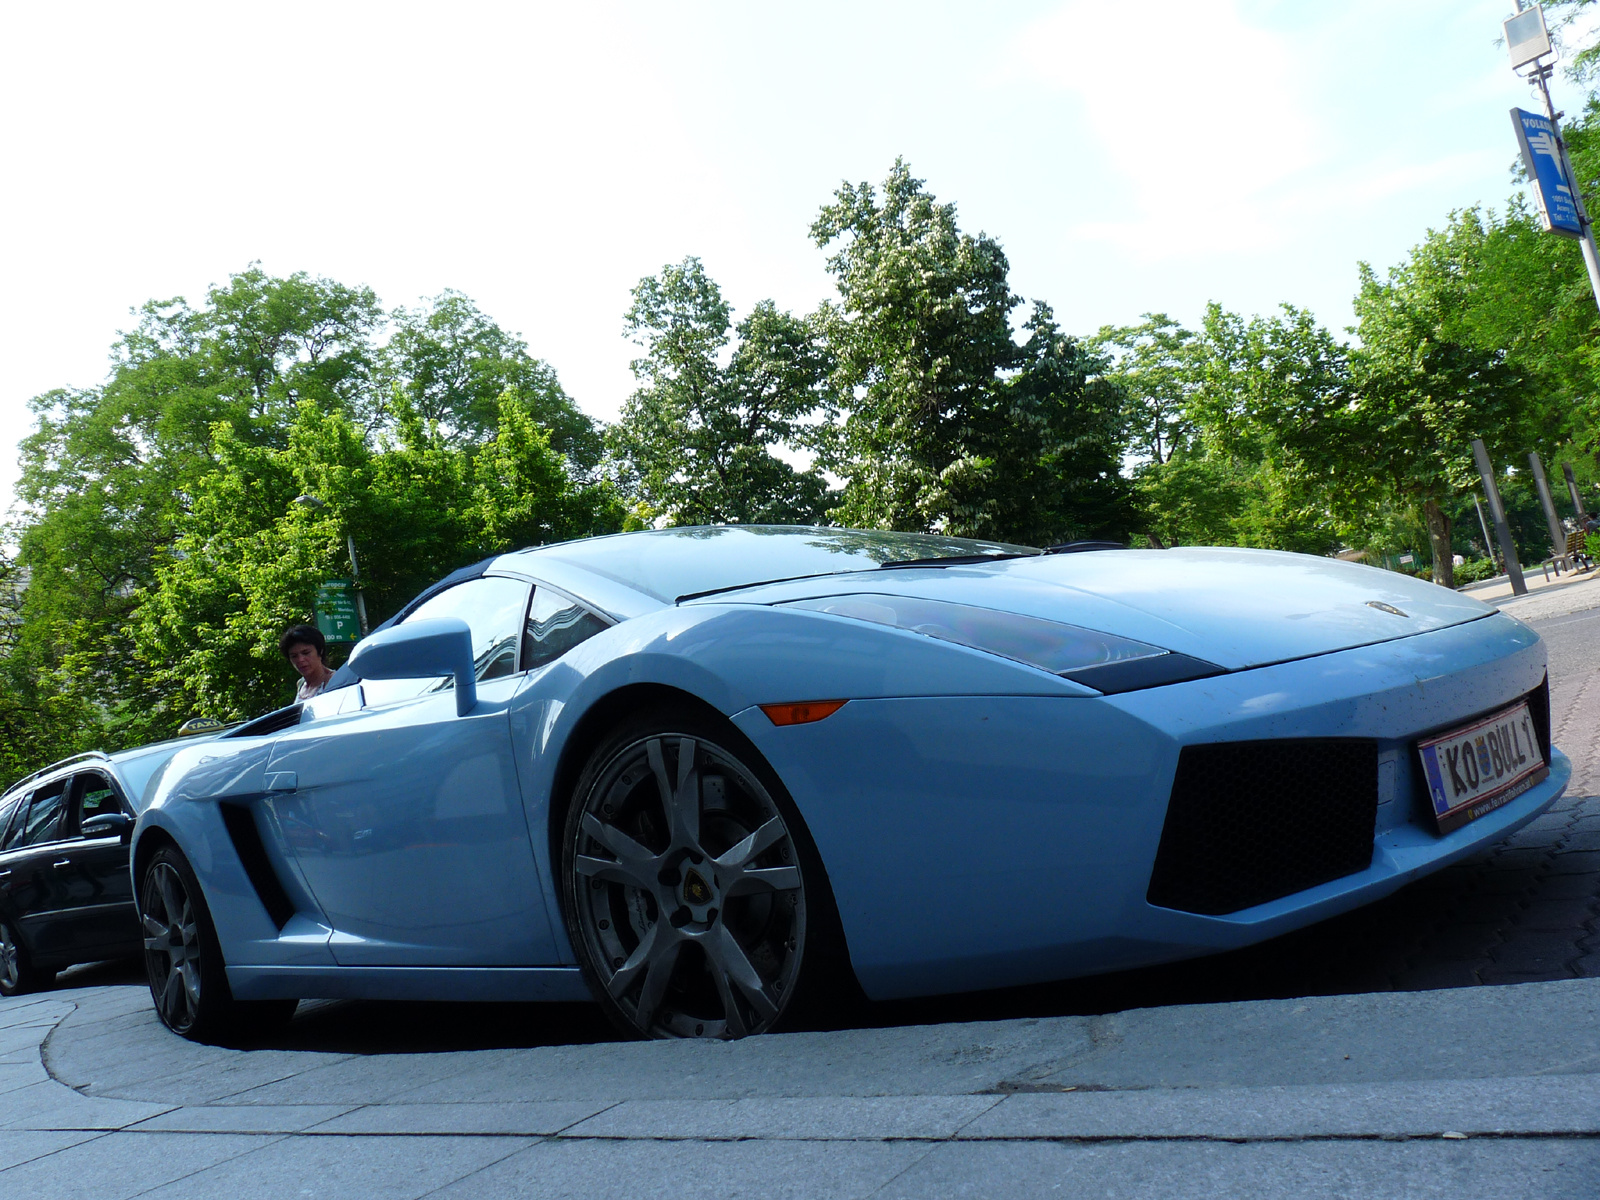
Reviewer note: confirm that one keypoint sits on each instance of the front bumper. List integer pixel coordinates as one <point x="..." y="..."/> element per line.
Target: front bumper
<point x="987" y="841"/>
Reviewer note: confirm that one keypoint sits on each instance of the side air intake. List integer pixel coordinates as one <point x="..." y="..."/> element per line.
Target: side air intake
<point x="246" y="838"/>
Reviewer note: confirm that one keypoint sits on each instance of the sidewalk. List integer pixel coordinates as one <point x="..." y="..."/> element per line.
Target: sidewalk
<point x="1460" y="1093"/>
<point x="1546" y="597"/>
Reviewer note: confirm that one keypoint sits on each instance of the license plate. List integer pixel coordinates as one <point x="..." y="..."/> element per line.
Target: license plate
<point x="1476" y="768"/>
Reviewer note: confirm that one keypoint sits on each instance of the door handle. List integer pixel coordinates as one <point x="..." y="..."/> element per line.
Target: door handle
<point x="282" y="781"/>
<point x="65" y="862"/>
<point x="5" y="874"/>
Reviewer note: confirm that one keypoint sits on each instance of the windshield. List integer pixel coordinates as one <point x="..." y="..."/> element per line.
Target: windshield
<point x="670" y="563"/>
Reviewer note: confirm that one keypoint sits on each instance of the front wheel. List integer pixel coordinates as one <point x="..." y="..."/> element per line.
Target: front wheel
<point x="183" y="959"/>
<point x="694" y="899"/>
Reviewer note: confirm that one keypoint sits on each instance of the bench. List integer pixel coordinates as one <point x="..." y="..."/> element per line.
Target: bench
<point x="1573" y="552"/>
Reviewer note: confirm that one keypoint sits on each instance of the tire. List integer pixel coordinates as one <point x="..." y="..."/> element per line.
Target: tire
<point x="183" y="959"/>
<point x="693" y="895"/>
<point x="18" y="975"/>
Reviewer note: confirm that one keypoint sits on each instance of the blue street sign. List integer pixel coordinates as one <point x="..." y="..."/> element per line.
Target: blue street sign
<point x="1542" y="157"/>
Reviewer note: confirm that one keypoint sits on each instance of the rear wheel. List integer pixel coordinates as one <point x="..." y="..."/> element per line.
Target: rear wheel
<point x="17" y="972"/>
<point x="183" y="959"/>
<point x="694" y="898"/>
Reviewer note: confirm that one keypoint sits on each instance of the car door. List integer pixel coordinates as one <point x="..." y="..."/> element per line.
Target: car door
<point x="92" y="884"/>
<point x="414" y="837"/>
<point x="32" y="889"/>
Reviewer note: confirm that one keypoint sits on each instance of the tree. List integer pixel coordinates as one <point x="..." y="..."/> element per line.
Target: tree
<point x="701" y="439"/>
<point x="1153" y="362"/>
<point x="1423" y="389"/>
<point x="115" y="479"/>
<point x="456" y="365"/>
<point x="248" y="560"/>
<point x="945" y="414"/>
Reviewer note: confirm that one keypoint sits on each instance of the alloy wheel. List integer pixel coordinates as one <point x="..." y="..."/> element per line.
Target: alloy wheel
<point x="10" y="961"/>
<point x="687" y="892"/>
<point x="171" y="946"/>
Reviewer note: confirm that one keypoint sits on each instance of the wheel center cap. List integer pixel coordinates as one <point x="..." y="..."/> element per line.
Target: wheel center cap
<point x="695" y="889"/>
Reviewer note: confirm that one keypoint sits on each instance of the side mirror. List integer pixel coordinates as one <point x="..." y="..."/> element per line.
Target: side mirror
<point x="107" y="825"/>
<point x="442" y="646"/>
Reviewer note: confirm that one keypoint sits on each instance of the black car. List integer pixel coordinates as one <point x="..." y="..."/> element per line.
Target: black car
<point x="66" y="895"/>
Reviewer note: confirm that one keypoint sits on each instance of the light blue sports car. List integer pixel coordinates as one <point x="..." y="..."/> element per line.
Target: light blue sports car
<point x="713" y="778"/>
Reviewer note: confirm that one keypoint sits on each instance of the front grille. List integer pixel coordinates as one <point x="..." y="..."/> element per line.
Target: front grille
<point x="1249" y="822"/>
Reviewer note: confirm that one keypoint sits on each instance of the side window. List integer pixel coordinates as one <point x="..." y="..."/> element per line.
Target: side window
<point x="12" y="814"/>
<point x="493" y="609"/>
<point x="95" y="796"/>
<point x="43" y="823"/>
<point x="555" y="625"/>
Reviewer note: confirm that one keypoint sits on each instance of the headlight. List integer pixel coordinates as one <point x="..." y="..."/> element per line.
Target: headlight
<point x="1103" y="661"/>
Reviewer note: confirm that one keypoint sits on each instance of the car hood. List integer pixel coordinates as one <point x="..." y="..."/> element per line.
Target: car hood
<point x="1233" y="607"/>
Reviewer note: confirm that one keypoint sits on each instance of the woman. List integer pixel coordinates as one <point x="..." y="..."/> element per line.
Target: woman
<point x="307" y="652"/>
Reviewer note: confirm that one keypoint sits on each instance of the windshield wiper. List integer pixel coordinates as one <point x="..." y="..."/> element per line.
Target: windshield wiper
<point x="739" y="587"/>
<point x="953" y="560"/>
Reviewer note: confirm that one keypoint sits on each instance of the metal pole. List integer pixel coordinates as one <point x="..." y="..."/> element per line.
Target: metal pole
<point x="1572" y="490"/>
<point x="355" y="578"/>
<point x="1558" y="535"/>
<point x="1488" y="542"/>
<point x="1502" y="530"/>
<point x="1591" y="259"/>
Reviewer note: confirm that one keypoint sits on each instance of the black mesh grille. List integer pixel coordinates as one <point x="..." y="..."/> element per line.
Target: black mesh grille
<point x="1252" y="821"/>
<point x="1539" y="709"/>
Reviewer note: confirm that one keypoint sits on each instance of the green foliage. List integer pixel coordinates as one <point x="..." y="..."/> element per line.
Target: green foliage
<point x="456" y="367"/>
<point x="162" y="549"/>
<point x="248" y="559"/>
<point x="701" y="438"/>
<point x="1475" y="570"/>
<point x="945" y="414"/>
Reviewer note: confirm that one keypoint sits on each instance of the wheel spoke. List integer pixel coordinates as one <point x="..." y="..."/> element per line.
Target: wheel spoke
<point x="613" y="872"/>
<point x="614" y="840"/>
<point x="169" y="901"/>
<point x="153" y="929"/>
<point x="732" y="1014"/>
<point x="686" y="800"/>
<point x="755" y="844"/>
<point x="171" y="995"/>
<point x="729" y="958"/>
<point x="776" y="879"/>
<point x="658" y="974"/>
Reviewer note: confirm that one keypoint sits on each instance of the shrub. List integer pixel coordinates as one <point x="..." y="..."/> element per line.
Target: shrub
<point x="1476" y="569"/>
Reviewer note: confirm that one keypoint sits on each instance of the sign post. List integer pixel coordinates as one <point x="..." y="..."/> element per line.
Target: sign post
<point x="337" y="618"/>
<point x="1544" y="154"/>
<point x="1572" y="490"/>
<point x="1558" y="535"/>
<point x="1502" y="530"/>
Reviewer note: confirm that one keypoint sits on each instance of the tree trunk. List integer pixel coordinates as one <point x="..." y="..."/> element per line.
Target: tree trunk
<point x="1444" y="570"/>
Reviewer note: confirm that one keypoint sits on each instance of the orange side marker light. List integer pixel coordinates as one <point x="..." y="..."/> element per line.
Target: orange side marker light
<point x="801" y="714"/>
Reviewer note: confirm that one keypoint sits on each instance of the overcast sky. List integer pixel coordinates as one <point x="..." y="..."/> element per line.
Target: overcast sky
<point x="1131" y="157"/>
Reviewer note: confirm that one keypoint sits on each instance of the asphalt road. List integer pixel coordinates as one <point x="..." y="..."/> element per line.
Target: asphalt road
<point x="1524" y="911"/>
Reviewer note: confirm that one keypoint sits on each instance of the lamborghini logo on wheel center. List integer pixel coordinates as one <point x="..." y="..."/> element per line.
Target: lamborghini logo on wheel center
<point x="695" y="889"/>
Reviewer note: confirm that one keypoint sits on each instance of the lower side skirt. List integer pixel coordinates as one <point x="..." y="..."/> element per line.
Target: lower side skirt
<point x="408" y="983"/>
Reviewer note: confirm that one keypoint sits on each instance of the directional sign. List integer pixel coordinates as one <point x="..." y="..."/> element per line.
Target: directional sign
<point x="1541" y="155"/>
<point x="336" y="611"/>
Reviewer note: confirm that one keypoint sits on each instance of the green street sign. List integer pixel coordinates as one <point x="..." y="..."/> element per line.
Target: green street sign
<point x="336" y="611"/>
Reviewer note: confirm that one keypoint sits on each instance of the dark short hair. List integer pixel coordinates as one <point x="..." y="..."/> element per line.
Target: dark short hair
<point x="306" y="635"/>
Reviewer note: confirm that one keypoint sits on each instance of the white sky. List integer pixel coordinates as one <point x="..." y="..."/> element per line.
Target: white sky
<point x="1130" y="157"/>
